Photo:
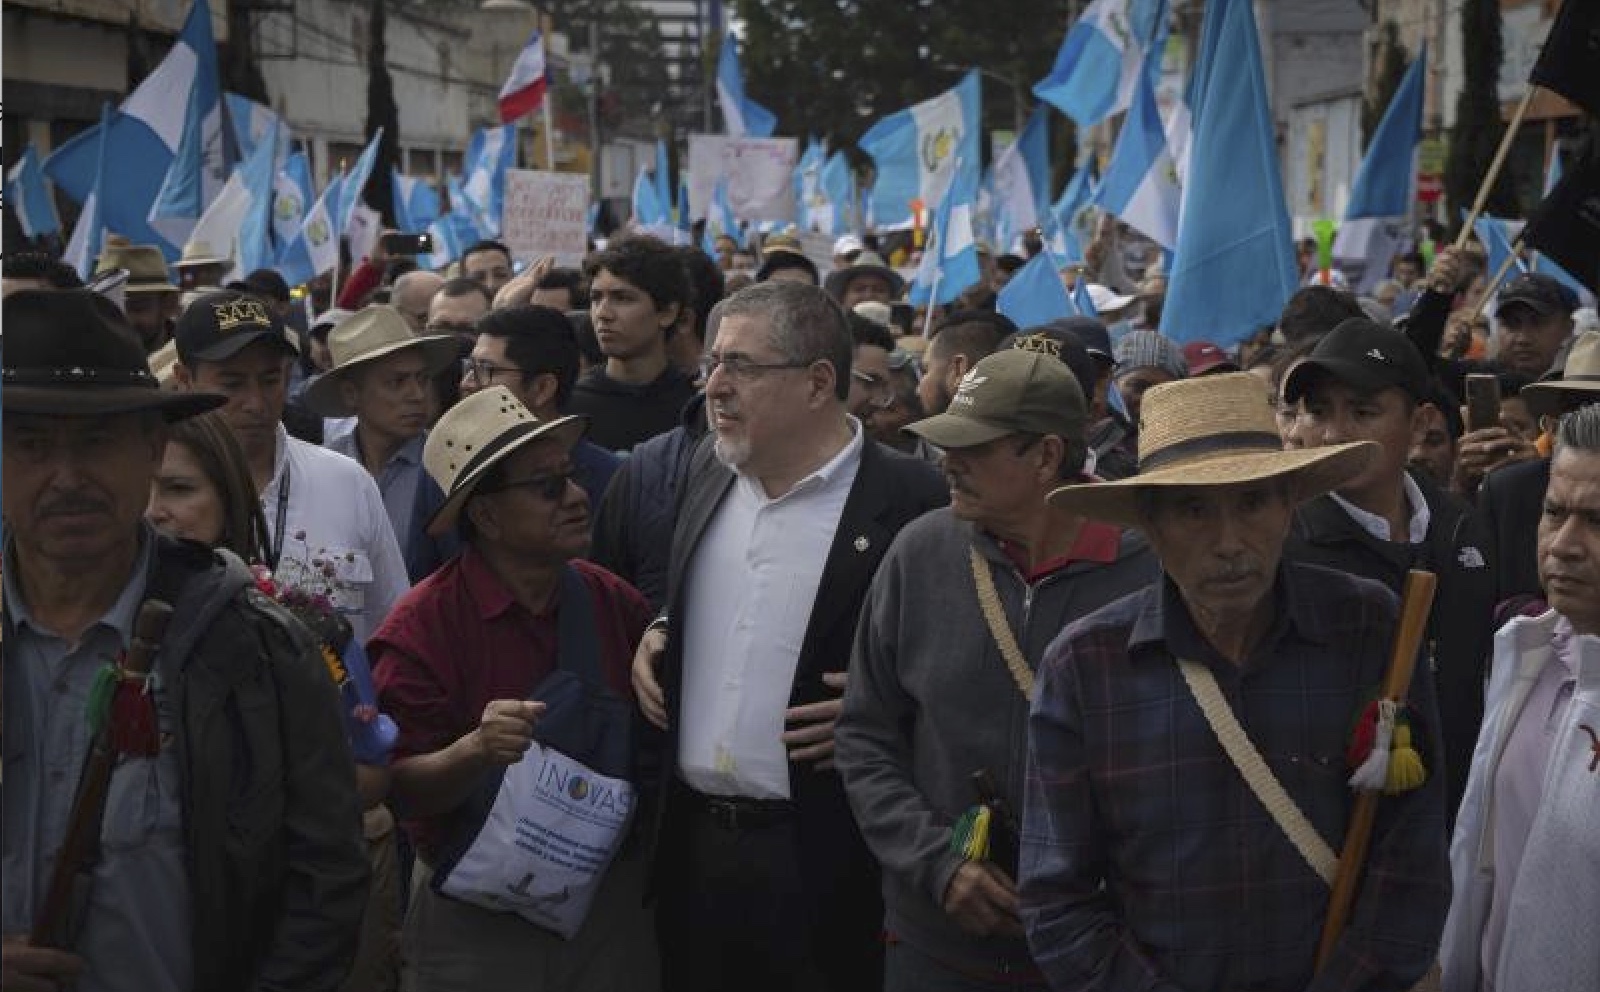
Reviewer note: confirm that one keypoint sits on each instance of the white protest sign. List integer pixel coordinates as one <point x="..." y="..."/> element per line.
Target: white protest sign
<point x="545" y="213"/>
<point x="760" y="174"/>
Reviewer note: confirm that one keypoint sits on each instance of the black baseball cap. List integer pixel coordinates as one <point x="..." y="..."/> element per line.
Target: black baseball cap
<point x="217" y="326"/>
<point x="1049" y="339"/>
<point x="1364" y="355"/>
<point x="1090" y="333"/>
<point x="1544" y="294"/>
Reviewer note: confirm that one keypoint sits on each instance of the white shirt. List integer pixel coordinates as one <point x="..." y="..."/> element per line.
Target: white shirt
<point x="333" y="513"/>
<point x="752" y="583"/>
<point x="1378" y="527"/>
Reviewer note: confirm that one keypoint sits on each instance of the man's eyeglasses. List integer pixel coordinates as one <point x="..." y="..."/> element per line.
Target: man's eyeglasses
<point x="901" y="361"/>
<point x="741" y="368"/>
<point x="482" y="372"/>
<point x="548" y="487"/>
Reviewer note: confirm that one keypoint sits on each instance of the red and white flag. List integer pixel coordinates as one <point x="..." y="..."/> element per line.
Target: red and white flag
<point x="524" y="90"/>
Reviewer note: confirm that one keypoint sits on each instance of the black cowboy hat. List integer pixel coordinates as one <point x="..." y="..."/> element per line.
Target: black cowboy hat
<point x="70" y="353"/>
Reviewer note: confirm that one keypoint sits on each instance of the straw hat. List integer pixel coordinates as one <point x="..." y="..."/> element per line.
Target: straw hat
<point x="373" y="333"/>
<point x="1579" y="381"/>
<point x="866" y="264"/>
<point x="475" y="435"/>
<point x="1217" y="430"/>
<point x="197" y="253"/>
<point x="147" y="267"/>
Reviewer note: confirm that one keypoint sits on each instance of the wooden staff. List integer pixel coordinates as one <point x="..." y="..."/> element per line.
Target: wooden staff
<point x="1494" y="284"/>
<point x="75" y="862"/>
<point x="1415" y="604"/>
<point x="1494" y="166"/>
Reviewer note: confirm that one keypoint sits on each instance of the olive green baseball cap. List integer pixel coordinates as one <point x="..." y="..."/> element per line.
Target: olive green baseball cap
<point x="1010" y="392"/>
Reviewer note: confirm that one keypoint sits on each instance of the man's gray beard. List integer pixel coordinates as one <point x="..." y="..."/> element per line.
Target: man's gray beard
<point x="731" y="453"/>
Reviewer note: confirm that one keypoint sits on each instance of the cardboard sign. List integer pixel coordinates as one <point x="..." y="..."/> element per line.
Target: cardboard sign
<point x="545" y="213"/>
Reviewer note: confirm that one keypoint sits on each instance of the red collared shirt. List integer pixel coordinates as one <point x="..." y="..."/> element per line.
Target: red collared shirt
<point x="458" y="641"/>
<point x="1097" y="542"/>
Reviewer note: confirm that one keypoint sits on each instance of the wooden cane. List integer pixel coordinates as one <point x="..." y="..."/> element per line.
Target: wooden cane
<point x="80" y="848"/>
<point x="1415" y="604"/>
<point x="1494" y="165"/>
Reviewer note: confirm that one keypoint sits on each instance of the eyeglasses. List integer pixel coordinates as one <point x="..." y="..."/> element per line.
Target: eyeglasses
<point x="482" y="372"/>
<point x="900" y="361"/>
<point x="741" y="368"/>
<point x="548" y="487"/>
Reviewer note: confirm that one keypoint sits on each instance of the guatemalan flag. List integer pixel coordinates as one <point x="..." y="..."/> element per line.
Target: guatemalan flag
<point x="525" y="87"/>
<point x="916" y="151"/>
<point x="144" y="138"/>
<point x="30" y="198"/>
<point x="743" y="116"/>
<point x="1101" y="59"/>
<point x="1141" y="183"/>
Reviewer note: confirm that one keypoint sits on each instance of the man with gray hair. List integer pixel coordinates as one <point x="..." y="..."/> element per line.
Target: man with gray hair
<point x="761" y="877"/>
<point x="1524" y="906"/>
<point x="413" y="294"/>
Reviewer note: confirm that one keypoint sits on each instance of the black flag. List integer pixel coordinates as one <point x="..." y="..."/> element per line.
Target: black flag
<point x="1569" y="63"/>
<point x="1567" y="224"/>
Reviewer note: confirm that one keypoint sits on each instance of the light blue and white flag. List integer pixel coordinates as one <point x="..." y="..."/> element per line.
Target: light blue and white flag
<point x="315" y="247"/>
<point x="491" y="152"/>
<point x="292" y="197"/>
<point x="1082" y="299"/>
<point x="916" y="151"/>
<point x="89" y="234"/>
<point x="1022" y="180"/>
<point x="145" y="138"/>
<point x="1102" y="58"/>
<point x="251" y="122"/>
<point x="465" y="212"/>
<point x="812" y="206"/>
<point x="1141" y="183"/>
<point x="30" y="198"/>
<point x="839" y="190"/>
<point x="1496" y="237"/>
<point x="663" y="177"/>
<point x="950" y="258"/>
<point x="1383" y="183"/>
<point x="648" y="209"/>
<point x="1235" y="230"/>
<point x="1035" y="294"/>
<point x="355" y="184"/>
<point x="1071" y="220"/>
<point x="260" y="174"/>
<point x="416" y="202"/>
<point x="742" y="116"/>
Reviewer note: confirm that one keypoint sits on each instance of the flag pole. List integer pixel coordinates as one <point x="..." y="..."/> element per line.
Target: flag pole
<point x="549" y="135"/>
<point x="1494" y="166"/>
<point x="1493" y="285"/>
<point x="933" y="296"/>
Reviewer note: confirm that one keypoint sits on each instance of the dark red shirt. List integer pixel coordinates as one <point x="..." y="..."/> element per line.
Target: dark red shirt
<point x="458" y="640"/>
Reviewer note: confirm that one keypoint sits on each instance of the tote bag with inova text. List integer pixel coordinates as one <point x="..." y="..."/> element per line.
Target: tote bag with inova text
<point x="537" y="836"/>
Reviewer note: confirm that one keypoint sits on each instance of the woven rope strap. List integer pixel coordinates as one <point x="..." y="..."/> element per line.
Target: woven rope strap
<point x="1242" y="752"/>
<point x="999" y="628"/>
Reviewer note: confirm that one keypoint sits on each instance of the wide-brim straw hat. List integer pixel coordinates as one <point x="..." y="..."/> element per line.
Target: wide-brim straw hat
<point x="375" y="332"/>
<point x="1217" y="430"/>
<point x="197" y="253"/>
<point x="146" y="267"/>
<point x="477" y="434"/>
<point x="1579" y="380"/>
<point x="866" y="263"/>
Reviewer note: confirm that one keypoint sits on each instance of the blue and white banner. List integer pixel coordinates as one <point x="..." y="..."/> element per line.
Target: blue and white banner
<point x="29" y="197"/>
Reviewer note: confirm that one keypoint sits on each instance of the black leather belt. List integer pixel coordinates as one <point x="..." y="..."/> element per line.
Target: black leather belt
<point x="735" y="813"/>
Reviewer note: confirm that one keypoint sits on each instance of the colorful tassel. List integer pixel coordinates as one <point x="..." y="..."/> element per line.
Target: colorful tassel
<point x="98" y="709"/>
<point x="970" y="836"/>
<point x="135" y="725"/>
<point x="1406" y="771"/>
<point x="1373" y="772"/>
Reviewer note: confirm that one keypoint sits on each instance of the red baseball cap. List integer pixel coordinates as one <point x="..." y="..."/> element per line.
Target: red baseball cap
<point x="1204" y="357"/>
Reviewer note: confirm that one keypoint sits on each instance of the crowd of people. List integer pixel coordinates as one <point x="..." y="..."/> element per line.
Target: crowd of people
<point x="723" y="623"/>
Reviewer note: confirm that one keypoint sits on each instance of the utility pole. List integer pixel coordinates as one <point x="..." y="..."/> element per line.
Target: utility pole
<point x="594" y="100"/>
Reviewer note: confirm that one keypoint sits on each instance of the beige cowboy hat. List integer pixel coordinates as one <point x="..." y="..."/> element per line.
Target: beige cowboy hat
<point x="201" y="253"/>
<point x="1579" y="380"/>
<point x="867" y="263"/>
<point x="147" y="267"/>
<point x="1217" y="430"/>
<point x="373" y="333"/>
<point x="475" y="435"/>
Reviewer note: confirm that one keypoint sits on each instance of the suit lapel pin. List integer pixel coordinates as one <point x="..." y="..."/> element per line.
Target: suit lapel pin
<point x="862" y="544"/>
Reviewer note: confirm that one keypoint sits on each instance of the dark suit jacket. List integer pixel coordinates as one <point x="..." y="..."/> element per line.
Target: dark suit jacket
<point x="1510" y="502"/>
<point x="890" y="491"/>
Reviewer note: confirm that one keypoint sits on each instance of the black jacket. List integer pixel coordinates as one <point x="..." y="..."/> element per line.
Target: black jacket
<point x="621" y="415"/>
<point x="1461" y="626"/>
<point x="841" y="875"/>
<point x="277" y="867"/>
<point x="1510" y="502"/>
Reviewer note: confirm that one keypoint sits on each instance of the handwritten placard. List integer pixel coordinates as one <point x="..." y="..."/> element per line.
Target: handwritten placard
<point x="545" y="213"/>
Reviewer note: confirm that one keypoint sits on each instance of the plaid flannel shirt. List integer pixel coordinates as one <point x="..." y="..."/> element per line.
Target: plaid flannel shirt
<point x="1148" y="863"/>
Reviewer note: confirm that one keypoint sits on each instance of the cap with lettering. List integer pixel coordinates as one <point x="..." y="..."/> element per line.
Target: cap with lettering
<point x="1014" y="391"/>
<point x="217" y="326"/>
<point x="1364" y="355"/>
